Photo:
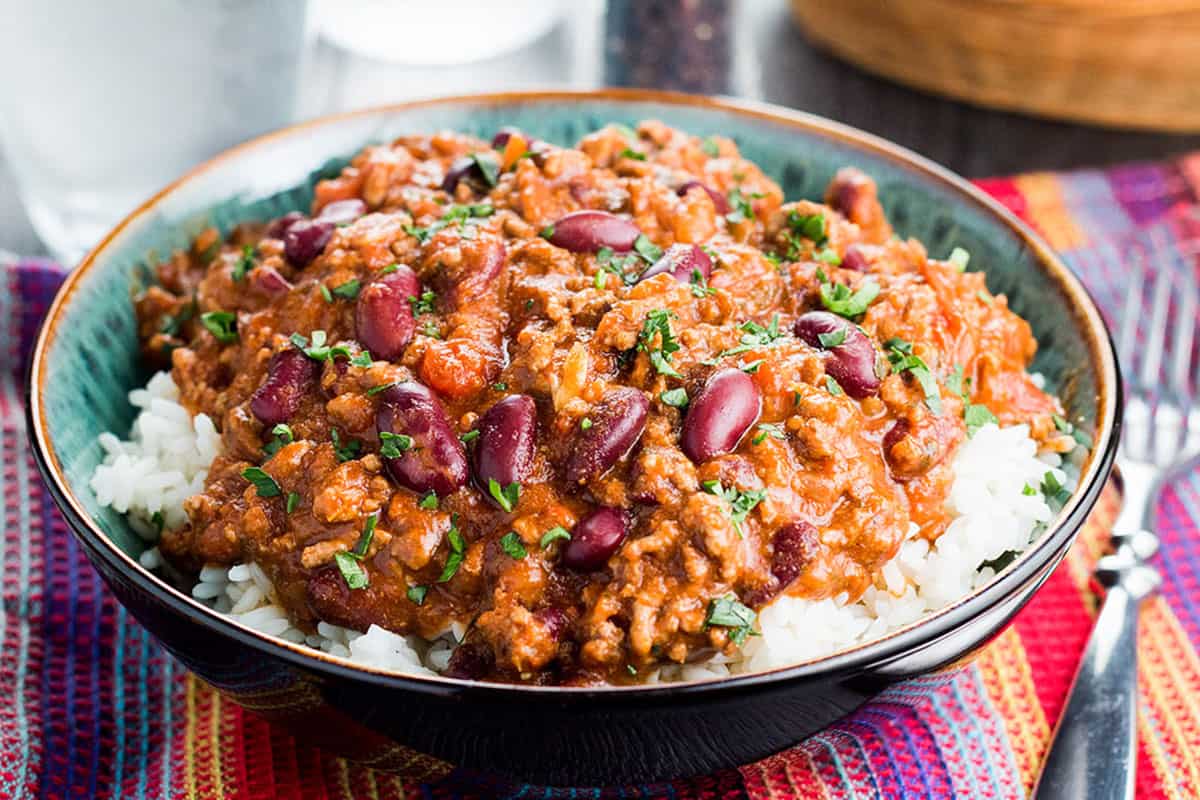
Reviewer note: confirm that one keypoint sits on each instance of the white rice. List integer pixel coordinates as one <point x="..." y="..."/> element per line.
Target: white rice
<point x="166" y="460"/>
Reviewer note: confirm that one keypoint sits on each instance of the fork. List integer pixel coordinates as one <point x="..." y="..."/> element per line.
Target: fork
<point x="1093" y="750"/>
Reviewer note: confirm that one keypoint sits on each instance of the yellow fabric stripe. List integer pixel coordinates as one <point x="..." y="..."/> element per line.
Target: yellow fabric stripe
<point x="1168" y="695"/>
<point x="1008" y="679"/>
<point x="1043" y="196"/>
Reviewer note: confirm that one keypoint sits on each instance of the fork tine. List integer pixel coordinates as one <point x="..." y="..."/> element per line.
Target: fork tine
<point x="1179" y="379"/>
<point x="1156" y="334"/>
<point x="1130" y="312"/>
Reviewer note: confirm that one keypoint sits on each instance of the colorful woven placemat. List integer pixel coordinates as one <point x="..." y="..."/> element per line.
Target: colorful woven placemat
<point x="91" y="707"/>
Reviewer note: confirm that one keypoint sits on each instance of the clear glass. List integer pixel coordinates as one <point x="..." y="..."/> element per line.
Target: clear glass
<point x="103" y="103"/>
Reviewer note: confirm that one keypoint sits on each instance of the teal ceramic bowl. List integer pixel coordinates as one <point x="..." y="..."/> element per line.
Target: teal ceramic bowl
<point x="86" y="360"/>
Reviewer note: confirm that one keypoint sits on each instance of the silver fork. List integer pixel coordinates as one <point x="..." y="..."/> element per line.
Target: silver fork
<point x="1094" y="747"/>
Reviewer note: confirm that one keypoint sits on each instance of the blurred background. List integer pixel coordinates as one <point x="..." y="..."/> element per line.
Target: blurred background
<point x="103" y="103"/>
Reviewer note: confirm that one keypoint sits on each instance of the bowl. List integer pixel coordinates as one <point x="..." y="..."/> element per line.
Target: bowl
<point x="85" y="361"/>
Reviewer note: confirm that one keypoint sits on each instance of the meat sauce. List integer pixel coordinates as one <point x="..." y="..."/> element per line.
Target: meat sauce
<point x="593" y="406"/>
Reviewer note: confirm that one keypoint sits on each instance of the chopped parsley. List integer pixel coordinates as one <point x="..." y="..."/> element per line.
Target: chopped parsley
<point x="658" y="325"/>
<point x="832" y="340"/>
<point x="648" y="250"/>
<point x="348" y="290"/>
<point x="363" y="360"/>
<point x="417" y="594"/>
<point x="900" y="356"/>
<point x="1056" y="494"/>
<point x="457" y="215"/>
<point x="511" y="544"/>
<point x="555" y="533"/>
<point x="431" y="330"/>
<point x="505" y="496"/>
<point x="621" y="266"/>
<point x="283" y="436"/>
<point x="171" y="323"/>
<point x="319" y="349"/>
<point x="345" y="451"/>
<point x="809" y="226"/>
<point x="766" y="429"/>
<point x="751" y="367"/>
<point x="585" y="424"/>
<point x="488" y="166"/>
<point x="1029" y="491"/>
<point x="960" y="258"/>
<point x="740" y="203"/>
<point x="957" y="384"/>
<point x="727" y="611"/>
<point x="469" y="436"/>
<point x="710" y="148"/>
<point x="245" y="263"/>
<point x="454" y="559"/>
<point x="221" y="324"/>
<point x="754" y="336"/>
<point x="348" y="561"/>
<point x="547" y="232"/>
<point x="394" y="445"/>
<point x="833" y="386"/>
<point x="740" y="503"/>
<point x="500" y="386"/>
<point x="423" y="304"/>
<point x="629" y="152"/>
<point x="830" y="257"/>
<point x="1001" y="561"/>
<point x="293" y="500"/>
<point x="265" y="484"/>
<point x="374" y="390"/>
<point x="838" y="298"/>
<point x="1066" y="427"/>
<point x="325" y="293"/>
<point x="429" y="501"/>
<point x="389" y="269"/>
<point x="976" y="416"/>
<point x="699" y="285"/>
<point x="676" y="398"/>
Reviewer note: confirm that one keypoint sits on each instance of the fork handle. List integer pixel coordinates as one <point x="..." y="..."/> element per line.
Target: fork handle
<point x="1093" y="750"/>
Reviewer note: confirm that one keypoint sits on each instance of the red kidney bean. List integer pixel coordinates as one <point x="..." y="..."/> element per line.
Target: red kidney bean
<point x="793" y="546"/>
<point x="436" y="462"/>
<point x="462" y="167"/>
<point x="895" y="433"/>
<point x="855" y="259"/>
<point x="469" y="662"/>
<point x="595" y="538"/>
<point x="719" y="416"/>
<point x="289" y="375"/>
<point x="507" y="441"/>
<point x="852" y="193"/>
<point x="504" y="134"/>
<point x="341" y="212"/>
<point x="617" y="424"/>
<point x="278" y="227"/>
<point x="555" y="620"/>
<point x="305" y="240"/>
<point x="268" y="280"/>
<point x="588" y="231"/>
<point x="720" y="202"/>
<point x="851" y="363"/>
<point x="383" y="316"/>
<point x="682" y="261"/>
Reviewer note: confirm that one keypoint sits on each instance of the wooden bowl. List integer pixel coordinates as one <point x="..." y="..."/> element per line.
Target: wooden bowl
<point x="1123" y="63"/>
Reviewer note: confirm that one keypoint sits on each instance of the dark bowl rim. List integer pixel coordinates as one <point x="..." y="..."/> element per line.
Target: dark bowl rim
<point x="914" y="636"/>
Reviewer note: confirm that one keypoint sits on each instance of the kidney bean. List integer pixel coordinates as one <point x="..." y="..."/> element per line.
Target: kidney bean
<point x="793" y="547"/>
<point x="268" y="280"/>
<point x="855" y="259"/>
<point x="595" y="538"/>
<point x="278" y="227"/>
<point x="436" y="462"/>
<point x="461" y="168"/>
<point x="504" y="134"/>
<point x="383" y="316"/>
<point x="852" y="193"/>
<point x="588" y="231"/>
<point x="305" y="239"/>
<point x="719" y="416"/>
<point x="507" y="440"/>
<point x="555" y="620"/>
<point x="720" y="202"/>
<point x="682" y="261"/>
<point x="617" y="424"/>
<point x="341" y="212"/>
<point x="289" y="375"/>
<point x="851" y="363"/>
<point x="469" y="662"/>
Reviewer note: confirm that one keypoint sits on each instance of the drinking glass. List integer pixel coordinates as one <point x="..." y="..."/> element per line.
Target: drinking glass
<point x="103" y="103"/>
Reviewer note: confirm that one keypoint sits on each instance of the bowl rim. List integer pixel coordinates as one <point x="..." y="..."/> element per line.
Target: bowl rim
<point x="1030" y="565"/>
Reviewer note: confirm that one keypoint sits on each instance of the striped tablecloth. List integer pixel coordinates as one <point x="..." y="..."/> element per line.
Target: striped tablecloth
<point x="91" y="707"/>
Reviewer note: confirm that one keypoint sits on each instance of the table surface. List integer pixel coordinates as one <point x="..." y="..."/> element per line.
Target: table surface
<point x="747" y="48"/>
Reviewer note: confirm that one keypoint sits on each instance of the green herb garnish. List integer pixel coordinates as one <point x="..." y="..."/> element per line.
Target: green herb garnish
<point x="344" y="451"/>
<point x="831" y="340"/>
<point x="557" y="532"/>
<point x="648" y="250"/>
<point x="505" y="496"/>
<point x="833" y="386"/>
<point x="976" y="416"/>
<point x="740" y="503"/>
<point x="838" y="298"/>
<point x="469" y="436"/>
<point x="585" y="424"/>
<point x="454" y="559"/>
<point x="319" y="350"/>
<point x="394" y="445"/>
<point x="221" y="324"/>
<point x="429" y="501"/>
<point x="658" y="325"/>
<point x="489" y="167"/>
<point x="417" y="594"/>
<point x="423" y="304"/>
<point x="629" y="152"/>
<point x="325" y="293"/>
<point x="511" y="544"/>
<point x="374" y="390"/>
<point x="348" y="562"/>
<point x="766" y="429"/>
<point x="348" y="290"/>
<point x="900" y="356"/>
<point x="710" y="148"/>
<point x="740" y="203"/>
<point x="810" y="226"/>
<point x="245" y="262"/>
<point x="263" y="483"/>
<point x="283" y="436"/>
<point x="754" y="336"/>
<point x="293" y="500"/>
<point x="728" y="612"/>
<point x="676" y="398"/>
<point x="960" y="258"/>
